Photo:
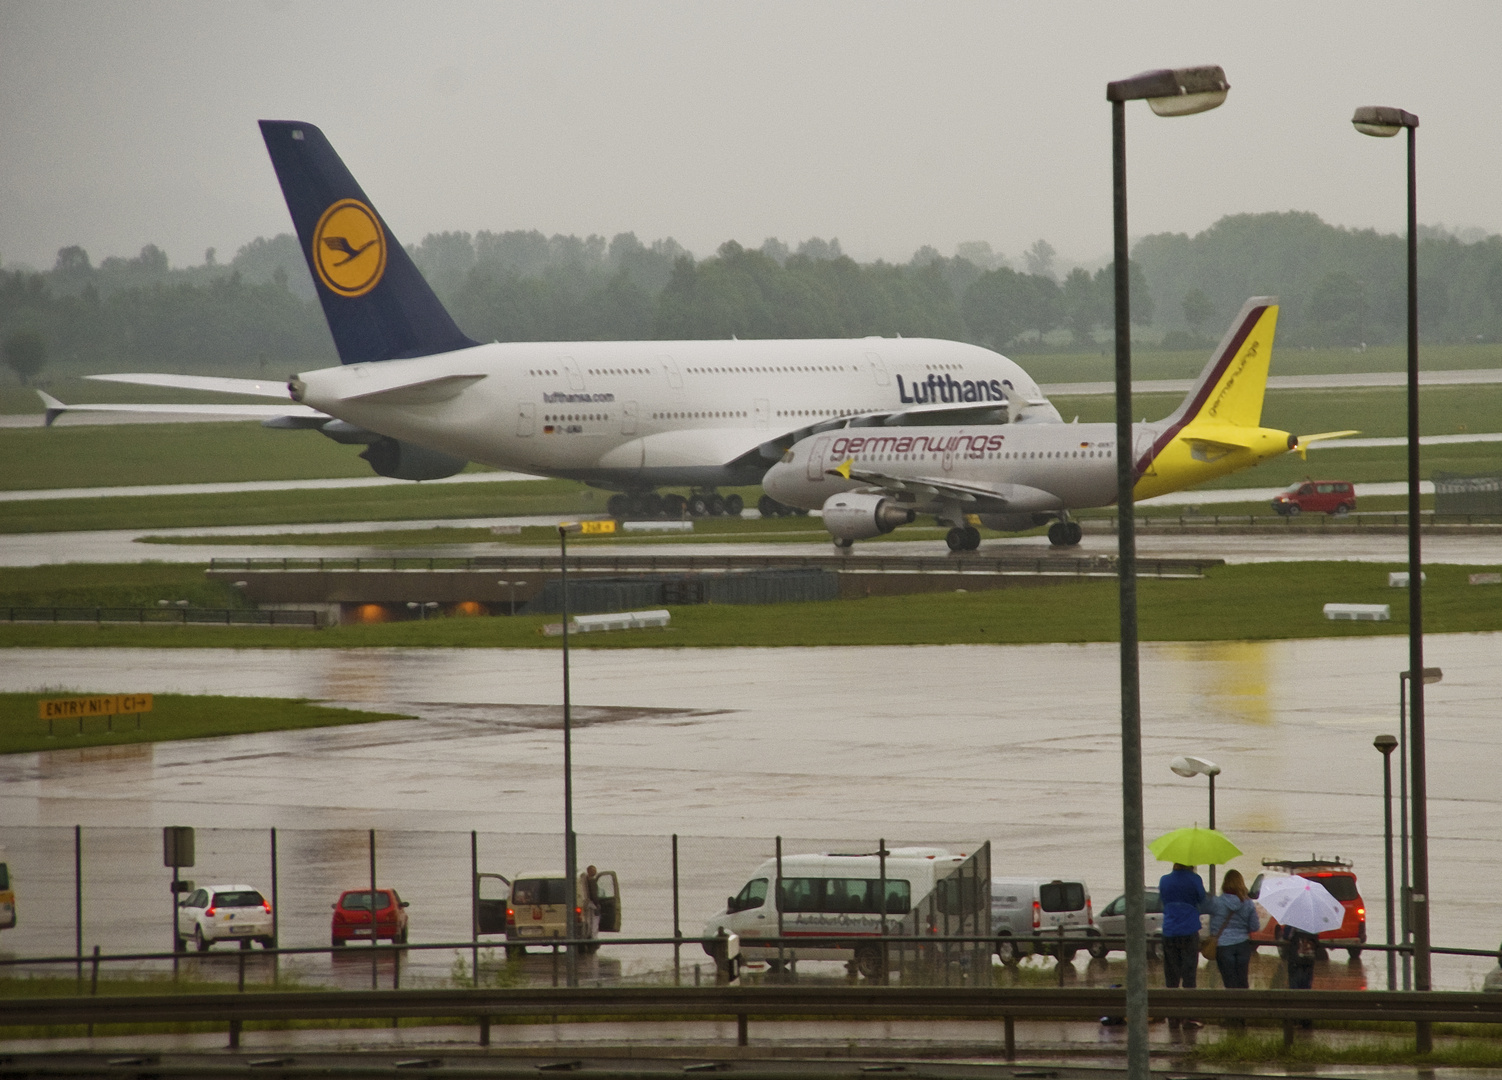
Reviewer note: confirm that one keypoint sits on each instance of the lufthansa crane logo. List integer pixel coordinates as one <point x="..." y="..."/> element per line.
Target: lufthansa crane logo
<point x="349" y="248"/>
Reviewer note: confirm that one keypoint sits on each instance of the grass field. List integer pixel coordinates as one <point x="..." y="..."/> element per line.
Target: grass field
<point x="1152" y="363"/>
<point x="173" y="716"/>
<point x="1259" y="601"/>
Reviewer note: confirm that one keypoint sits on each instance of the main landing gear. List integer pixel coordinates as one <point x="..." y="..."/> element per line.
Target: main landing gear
<point x="963" y="538"/>
<point x="649" y="505"/>
<point x="770" y="508"/>
<point x="1065" y="533"/>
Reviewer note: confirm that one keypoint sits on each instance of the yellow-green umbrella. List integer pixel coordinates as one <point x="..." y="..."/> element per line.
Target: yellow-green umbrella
<point x="1193" y="847"/>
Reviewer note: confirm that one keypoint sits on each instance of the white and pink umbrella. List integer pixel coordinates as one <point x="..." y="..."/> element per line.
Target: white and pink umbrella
<point x="1301" y="903"/>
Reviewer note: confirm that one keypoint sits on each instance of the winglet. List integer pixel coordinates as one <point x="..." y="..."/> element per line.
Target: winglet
<point x="1302" y="441"/>
<point x="55" y="408"/>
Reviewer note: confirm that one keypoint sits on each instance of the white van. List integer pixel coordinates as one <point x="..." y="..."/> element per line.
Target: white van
<point x="1026" y="911"/>
<point x="833" y="902"/>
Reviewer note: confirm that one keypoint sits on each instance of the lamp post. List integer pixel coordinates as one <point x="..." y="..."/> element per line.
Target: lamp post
<point x="1405" y="888"/>
<point x="1196" y="766"/>
<point x="570" y="855"/>
<point x="512" y="585"/>
<point x="1387" y="744"/>
<point x="1177" y="92"/>
<point x="1385" y="122"/>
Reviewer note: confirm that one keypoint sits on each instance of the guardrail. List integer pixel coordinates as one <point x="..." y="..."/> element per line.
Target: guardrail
<point x="863" y="562"/>
<point x="482" y="1007"/>
<point x="1384" y="520"/>
<point x="170" y="615"/>
<point x="786" y="1000"/>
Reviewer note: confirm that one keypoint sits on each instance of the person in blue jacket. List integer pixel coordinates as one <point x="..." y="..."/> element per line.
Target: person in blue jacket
<point x="1233" y="916"/>
<point x="1184" y="900"/>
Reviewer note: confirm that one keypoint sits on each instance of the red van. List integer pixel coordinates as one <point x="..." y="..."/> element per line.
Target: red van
<point x="1335" y="875"/>
<point x="1337" y="497"/>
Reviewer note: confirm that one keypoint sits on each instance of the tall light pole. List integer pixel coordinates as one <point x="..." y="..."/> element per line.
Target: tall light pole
<point x="1197" y="766"/>
<point x="1405" y="888"/>
<point x="1177" y="92"/>
<point x="570" y="854"/>
<point x="1385" y="122"/>
<point x="1386" y="744"/>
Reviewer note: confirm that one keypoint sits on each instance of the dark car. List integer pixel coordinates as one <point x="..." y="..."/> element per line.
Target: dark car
<point x="352" y="917"/>
<point x="1337" y="497"/>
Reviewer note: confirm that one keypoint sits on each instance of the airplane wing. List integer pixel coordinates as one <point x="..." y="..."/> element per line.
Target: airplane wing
<point x="249" y="387"/>
<point x="1000" y="496"/>
<point x="56" y="408"/>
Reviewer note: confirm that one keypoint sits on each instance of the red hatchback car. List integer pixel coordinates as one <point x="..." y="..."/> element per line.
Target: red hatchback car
<point x="1336" y="497"/>
<point x="352" y="917"/>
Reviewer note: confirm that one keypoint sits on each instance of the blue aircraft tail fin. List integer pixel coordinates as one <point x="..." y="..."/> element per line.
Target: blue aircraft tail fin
<point x="376" y="302"/>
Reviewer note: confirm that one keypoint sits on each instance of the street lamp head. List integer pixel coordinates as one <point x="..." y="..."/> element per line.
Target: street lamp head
<point x="1383" y="121"/>
<point x="1432" y="675"/>
<point x="1174" y="91"/>
<point x="1385" y="743"/>
<point x="1194" y="766"/>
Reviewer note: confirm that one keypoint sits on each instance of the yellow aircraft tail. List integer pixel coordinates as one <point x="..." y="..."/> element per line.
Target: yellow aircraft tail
<point x="1230" y="389"/>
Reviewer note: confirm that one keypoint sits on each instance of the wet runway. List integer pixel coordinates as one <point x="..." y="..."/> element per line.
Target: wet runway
<point x="123" y="546"/>
<point x="831" y="747"/>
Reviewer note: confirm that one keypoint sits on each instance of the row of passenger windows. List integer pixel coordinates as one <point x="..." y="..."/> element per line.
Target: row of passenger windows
<point x="620" y="371"/>
<point x="994" y="455"/>
<point x="774" y="369"/>
<point x="840" y="895"/>
<point x="697" y="415"/>
<point x="573" y="417"/>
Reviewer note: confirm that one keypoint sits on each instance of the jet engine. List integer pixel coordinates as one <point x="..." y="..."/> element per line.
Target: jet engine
<point x="856" y="516"/>
<point x="404" y="461"/>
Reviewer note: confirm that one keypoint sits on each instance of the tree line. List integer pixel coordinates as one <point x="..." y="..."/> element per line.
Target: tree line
<point x="257" y="314"/>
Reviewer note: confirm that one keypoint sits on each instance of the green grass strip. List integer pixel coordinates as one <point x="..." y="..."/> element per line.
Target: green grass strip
<point x="173" y="716"/>
<point x="1254" y="601"/>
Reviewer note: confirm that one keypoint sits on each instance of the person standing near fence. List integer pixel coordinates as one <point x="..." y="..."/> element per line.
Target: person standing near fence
<point x="1233" y="918"/>
<point x="1184" y="899"/>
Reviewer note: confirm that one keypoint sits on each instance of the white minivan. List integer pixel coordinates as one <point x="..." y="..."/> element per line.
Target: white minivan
<point x="833" y="902"/>
<point x="1026" y="912"/>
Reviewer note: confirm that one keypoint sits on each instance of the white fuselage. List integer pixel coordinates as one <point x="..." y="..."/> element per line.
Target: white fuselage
<point x="643" y="414"/>
<point x="1039" y="467"/>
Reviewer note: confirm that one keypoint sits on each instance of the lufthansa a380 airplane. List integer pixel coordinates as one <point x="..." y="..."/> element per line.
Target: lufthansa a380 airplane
<point x="867" y="482"/>
<point x="631" y="416"/>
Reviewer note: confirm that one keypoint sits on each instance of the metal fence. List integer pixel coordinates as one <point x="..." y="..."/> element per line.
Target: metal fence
<point x="156" y="615"/>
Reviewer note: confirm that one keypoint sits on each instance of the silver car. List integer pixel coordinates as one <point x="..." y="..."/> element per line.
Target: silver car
<point x="1112" y="924"/>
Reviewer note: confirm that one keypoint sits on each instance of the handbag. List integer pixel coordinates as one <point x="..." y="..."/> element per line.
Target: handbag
<point x="1210" y="946"/>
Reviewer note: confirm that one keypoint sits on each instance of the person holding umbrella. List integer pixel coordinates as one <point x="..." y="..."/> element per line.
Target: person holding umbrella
<point x="1304" y="909"/>
<point x="1184" y="898"/>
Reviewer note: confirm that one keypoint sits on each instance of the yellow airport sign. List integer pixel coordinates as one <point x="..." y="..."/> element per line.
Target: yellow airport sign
<point x="77" y="708"/>
<point x="587" y="527"/>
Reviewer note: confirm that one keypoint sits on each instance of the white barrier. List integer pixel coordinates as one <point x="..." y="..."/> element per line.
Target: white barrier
<point x="622" y="620"/>
<point x="1398" y="579"/>
<point x="657" y="526"/>
<point x="1371" y="612"/>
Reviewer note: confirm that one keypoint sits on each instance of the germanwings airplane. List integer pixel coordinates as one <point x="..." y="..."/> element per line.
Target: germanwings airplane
<point x="868" y="479"/>
<point x="631" y="416"/>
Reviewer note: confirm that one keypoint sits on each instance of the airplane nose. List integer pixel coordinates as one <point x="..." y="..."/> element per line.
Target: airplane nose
<point x="777" y="483"/>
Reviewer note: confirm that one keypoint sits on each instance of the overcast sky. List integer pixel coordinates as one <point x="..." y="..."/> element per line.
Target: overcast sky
<point x="887" y="125"/>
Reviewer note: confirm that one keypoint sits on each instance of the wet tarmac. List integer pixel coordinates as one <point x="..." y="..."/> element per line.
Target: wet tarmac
<point x="833" y="748"/>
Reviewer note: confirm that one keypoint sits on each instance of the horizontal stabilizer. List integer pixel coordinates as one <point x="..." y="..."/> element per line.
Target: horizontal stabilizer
<point x="213" y="384"/>
<point x="1302" y="446"/>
